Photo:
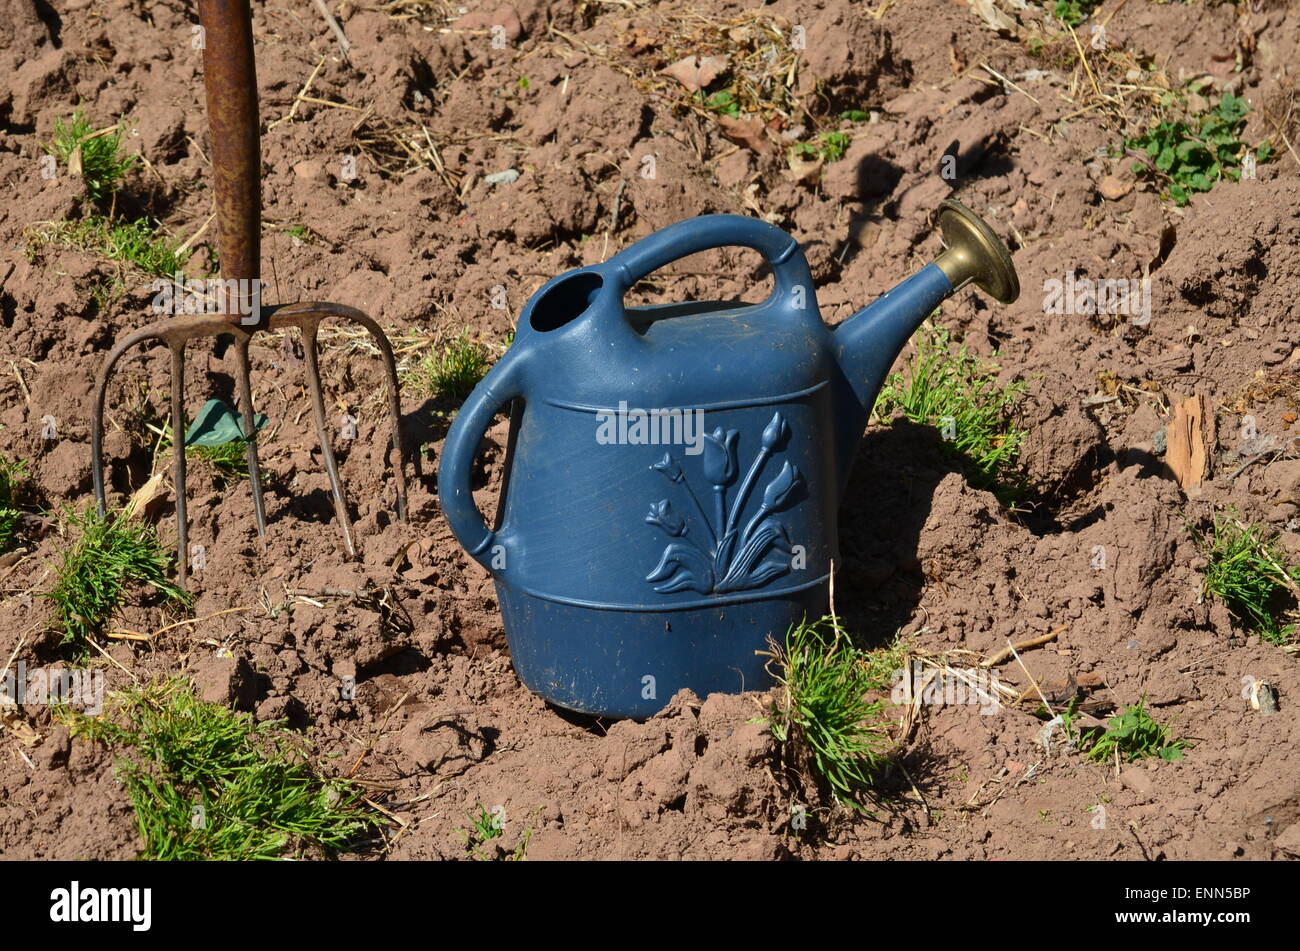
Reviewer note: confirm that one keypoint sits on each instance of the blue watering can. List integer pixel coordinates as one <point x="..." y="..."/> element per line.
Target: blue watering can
<point x="674" y="471"/>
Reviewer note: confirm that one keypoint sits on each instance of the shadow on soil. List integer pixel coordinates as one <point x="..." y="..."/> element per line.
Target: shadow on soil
<point x="882" y="513"/>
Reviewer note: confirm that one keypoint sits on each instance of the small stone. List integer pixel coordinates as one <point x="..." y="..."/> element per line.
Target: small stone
<point x="905" y="103"/>
<point x="734" y="169"/>
<point x="1289" y="840"/>
<point x="309" y="170"/>
<point x="226" y="680"/>
<point x="279" y="708"/>
<point x="508" y="177"/>
<point x="1113" y="188"/>
<point x="1138" y="780"/>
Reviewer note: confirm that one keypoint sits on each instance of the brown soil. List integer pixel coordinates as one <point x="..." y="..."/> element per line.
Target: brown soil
<point x="440" y="717"/>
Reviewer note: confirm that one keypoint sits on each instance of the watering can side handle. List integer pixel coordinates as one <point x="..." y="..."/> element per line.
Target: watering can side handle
<point x="456" y="467"/>
<point x="707" y="232"/>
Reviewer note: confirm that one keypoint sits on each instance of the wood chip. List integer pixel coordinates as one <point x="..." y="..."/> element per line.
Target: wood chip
<point x="1191" y="437"/>
<point x="147" y="498"/>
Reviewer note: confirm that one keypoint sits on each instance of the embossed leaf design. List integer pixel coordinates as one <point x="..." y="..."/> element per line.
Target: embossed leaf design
<point x="726" y="546"/>
<point x="745" y="571"/>
<point x="682" y="567"/>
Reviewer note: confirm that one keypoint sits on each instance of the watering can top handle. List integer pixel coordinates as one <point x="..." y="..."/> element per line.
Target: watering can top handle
<point x="707" y="232"/>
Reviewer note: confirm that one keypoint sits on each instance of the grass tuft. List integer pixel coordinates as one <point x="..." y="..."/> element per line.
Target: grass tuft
<point x="230" y="459"/>
<point x="451" y="371"/>
<point x="207" y="783"/>
<point x="135" y="244"/>
<point x="13" y="481"/>
<point x="484" y="828"/>
<point x="822" y="716"/>
<point x="112" y="555"/>
<point x="1249" y="572"/>
<point x="8" y="527"/>
<point x="952" y="389"/>
<point x="96" y="156"/>
<point x="13" y="487"/>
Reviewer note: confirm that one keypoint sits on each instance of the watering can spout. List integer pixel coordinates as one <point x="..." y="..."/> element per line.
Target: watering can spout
<point x="868" y="342"/>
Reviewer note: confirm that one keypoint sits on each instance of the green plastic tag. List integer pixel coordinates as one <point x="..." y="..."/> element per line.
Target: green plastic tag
<point x="218" y="424"/>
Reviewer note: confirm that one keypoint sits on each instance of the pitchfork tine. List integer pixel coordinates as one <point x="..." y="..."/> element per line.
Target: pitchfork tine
<point x="250" y="435"/>
<point x="394" y="402"/>
<point x="307" y="318"/>
<point x="97" y="422"/>
<point x="173" y="333"/>
<point x="309" y="328"/>
<point x="178" y="460"/>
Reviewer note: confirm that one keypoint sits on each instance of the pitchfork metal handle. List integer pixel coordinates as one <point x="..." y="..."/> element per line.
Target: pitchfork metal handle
<point x="230" y="79"/>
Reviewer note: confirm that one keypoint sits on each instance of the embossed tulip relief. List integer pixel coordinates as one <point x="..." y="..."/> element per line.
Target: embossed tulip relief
<point x="712" y="554"/>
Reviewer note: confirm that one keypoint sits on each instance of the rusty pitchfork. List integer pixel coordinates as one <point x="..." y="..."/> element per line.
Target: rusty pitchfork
<point x="229" y="78"/>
